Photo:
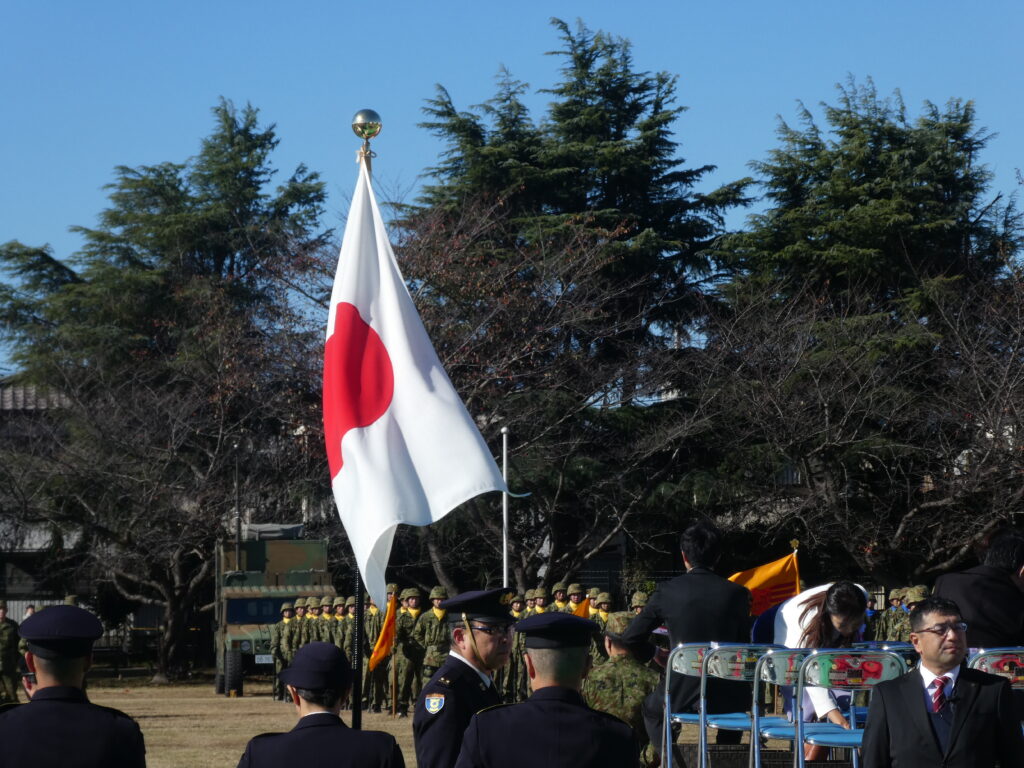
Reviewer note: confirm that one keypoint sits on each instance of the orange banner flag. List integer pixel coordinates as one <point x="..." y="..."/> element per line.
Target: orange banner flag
<point x="386" y="639"/>
<point x="583" y="609"/>
<point x="771" y="583"/>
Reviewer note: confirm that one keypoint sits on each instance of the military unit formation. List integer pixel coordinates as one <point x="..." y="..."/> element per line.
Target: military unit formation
<point x="423" y="638"/>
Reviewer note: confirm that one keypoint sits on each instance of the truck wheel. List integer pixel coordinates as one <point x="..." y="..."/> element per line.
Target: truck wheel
<point x="218" y="683"/>
<point x="233" y="672"/>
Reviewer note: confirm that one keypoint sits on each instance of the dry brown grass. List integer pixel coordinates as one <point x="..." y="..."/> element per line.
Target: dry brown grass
<point x="190" y="725"/>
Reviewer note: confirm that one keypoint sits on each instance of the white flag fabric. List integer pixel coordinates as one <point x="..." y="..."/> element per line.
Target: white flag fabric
<point x="400" y="444"/>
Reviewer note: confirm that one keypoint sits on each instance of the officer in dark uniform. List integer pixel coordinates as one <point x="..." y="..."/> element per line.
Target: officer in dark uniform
<point x="59" y="727"/>
<point x="563" y="731"/>
<point x="480" y="630"/>
<point x="318" y="682"/>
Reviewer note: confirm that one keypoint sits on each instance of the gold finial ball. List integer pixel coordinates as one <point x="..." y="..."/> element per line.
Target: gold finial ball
<point x="366" y="124"/>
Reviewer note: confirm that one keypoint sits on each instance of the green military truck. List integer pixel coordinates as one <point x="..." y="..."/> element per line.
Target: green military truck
<point x="264" y="567"/>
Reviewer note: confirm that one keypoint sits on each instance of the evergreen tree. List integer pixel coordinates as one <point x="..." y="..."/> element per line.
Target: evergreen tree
<point x="173" y="339"/>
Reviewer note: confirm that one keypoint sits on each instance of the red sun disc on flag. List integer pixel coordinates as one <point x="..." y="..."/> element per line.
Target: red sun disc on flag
<point x="359" y="381"/>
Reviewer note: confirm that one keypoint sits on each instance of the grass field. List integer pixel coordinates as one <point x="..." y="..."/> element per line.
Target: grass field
<point x="187" y="724"/>
<point x="190" y="725"/>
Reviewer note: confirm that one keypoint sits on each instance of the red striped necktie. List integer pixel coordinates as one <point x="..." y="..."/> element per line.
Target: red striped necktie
<point x="939" y="694"/>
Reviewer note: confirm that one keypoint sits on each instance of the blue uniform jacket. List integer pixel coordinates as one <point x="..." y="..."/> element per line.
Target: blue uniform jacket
<point x="443" y="710"/>
<point x="554" y="728"/>
<point x="61" y="728"/>
<point x="322" y="740"/>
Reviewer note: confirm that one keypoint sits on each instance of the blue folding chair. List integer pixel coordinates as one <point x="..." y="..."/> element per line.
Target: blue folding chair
<point x="737" y="663"/>
<point x="1005" y="662"/>
<point x="847" y="669"/>
<point x="779" y="667"/>
<point x="685" y="659"/>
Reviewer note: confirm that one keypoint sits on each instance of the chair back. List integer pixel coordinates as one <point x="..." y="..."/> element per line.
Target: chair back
<point x="848" y="669"/>
<point x="685" y="659"/>
<point x="906" y="650"/>
<point x="1005" y="662"/>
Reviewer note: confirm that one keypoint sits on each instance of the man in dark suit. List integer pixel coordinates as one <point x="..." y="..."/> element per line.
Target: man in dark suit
<point x="554" y="728"/>
<point x="942" y="713"/>
<point x="60" y="727"/>
<point x="318" y="682"/>
<point x="697" y="607"/>
<point x="480" y="627"/>
<point x="990" y="594"/>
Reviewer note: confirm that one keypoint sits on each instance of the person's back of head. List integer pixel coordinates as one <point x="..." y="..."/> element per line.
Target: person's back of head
<point x="1006" y="552"/>
<point x="701" y="544"/>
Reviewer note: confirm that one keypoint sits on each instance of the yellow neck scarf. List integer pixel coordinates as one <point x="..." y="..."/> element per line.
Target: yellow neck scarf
<point x="439" y="613"/>
<point x="374" y="610"/>
<point x="541" y="609"/>
<point x="516" y="614"/>
<point x="603" y="615"/>
<point x="415" y="612"/>
<point x="560" y="604"/>
<point x="285" y="619"/>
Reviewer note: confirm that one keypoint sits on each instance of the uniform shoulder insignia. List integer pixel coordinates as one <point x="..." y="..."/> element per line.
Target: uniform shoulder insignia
<point x="433" y="703"/>
<point x="444" y="681"/>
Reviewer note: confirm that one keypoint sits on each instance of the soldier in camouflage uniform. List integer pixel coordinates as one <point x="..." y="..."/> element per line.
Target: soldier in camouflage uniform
<point x="277" y="648"/>
<point x="638" y="601"/>
<point x="290" y="637"/>
<point x="374" y="681"/>
<point x="558" y="592"/>
<point x="577" y="594"/>
<point x="619" y="686"/>
<point x="592" y="594"/>
<point x="432" y="634"/>
<point x="888" y="622"/>
<point x="898" y="628"/>
<point x="338" y="627"/>
<point x="531" y="602"/>
<point x="348" y="627"/>
<point x="540" y="601"/>
<point x="8" y="657"/>
<point x="312" y="628"/>
<point x="597" y="651"/>
<point x="408" y="654"/>
<point x="514" y="678"/>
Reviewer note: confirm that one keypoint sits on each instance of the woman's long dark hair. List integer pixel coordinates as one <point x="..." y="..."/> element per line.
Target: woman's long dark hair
<point x="843" y="598"/>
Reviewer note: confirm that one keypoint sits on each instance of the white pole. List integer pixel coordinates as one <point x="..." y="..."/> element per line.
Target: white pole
<point x="504" y="508"/>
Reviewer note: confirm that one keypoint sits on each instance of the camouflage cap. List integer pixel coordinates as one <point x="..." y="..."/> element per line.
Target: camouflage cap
<point x="518" y="599"/>
<point x="439" y="592"/>
<point x="639" y="599"/>
<point x="896" y="594"/>
<point x="530" y="594"/>
<point x="540" y="592"/>
<point x="339" y="600"/>
<point x="617" y="623"/>
<point x="410" y="592"/>
<point x="593" y="593"/>
<point x="300" y="603"/>
<point x="320" y="601"/>
<point x="915" y="594"/>
<point x="3" y="605"/>
<point x="603" y="597"/>
<point x="392" y="587"/>
<point x="559" y="587"/>
<point x="287" y="607"/>
<point x="350" y="601"/>
<point x="576" y="589"/>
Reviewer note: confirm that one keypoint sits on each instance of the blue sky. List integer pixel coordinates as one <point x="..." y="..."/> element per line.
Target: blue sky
<point x="88" y="86"/>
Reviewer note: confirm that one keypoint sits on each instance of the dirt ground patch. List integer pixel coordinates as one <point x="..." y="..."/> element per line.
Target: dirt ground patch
<point x="190" y="725"/>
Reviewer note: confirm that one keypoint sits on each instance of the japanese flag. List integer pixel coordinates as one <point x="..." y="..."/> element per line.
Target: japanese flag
<point x="400" y="444"/>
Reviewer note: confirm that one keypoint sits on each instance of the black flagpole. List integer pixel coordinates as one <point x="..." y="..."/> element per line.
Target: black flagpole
<point x="357" y="659"/>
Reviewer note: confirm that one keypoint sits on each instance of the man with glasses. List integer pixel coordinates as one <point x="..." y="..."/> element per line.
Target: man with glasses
<point x="942" y="713"/>
<point x="480" y="633"/>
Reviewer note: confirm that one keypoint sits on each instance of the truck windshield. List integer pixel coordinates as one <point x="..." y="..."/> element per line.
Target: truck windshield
<point x="255" y="610"/>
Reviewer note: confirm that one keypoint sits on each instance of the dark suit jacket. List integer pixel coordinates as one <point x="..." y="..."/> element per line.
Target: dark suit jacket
<point x="438" y="735"/>
<point x="698" y="607"/>
<point x="990" y="602"/>
<point x="61" y="728"/>
<point x="985" y="726"/>
<point x="554" y="728"/>
<point x="323" y="741"/>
